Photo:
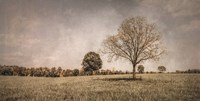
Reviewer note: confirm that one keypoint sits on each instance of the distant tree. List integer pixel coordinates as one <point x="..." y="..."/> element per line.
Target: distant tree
<point x="46" y="71"/>
<point x="103" y="72"/>
<point x="42" y="71"/>
<point x="136" y="41"/>
<point x="16" y="70"/>
<point x="108" y="72"/>
<point x="59" y="70"/>
<point x="75" y="72"/>
<point x="116" y="72"/>
<point x="38" y="72"/>
<point x="7" y="71"/>
<point x="68" y="72"/>
<point x="91" y="62"/>
<point x="52" y="73"/>
<point x="28" y="72"/>
<point x="161" y="69"/>
<point x="140" y="69"/>
<point x="21" y="71"/>
<point x="97" y="72"/>
<point x="32" y="71"/>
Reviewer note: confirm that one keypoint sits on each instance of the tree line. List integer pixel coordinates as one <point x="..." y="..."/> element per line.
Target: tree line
<point x="189" y="71"/>
<point x="14" y="70"/>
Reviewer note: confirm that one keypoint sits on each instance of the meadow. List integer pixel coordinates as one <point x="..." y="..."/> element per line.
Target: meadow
<point x="152" y="87"/>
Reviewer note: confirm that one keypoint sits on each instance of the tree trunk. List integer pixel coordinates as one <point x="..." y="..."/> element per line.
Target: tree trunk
<point x="134" y="75"/>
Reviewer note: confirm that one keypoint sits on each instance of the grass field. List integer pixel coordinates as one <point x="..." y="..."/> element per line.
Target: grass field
<point x="156" y="87"/>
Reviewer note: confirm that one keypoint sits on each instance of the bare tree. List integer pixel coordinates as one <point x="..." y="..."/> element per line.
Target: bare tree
<point x="136" y="40"/>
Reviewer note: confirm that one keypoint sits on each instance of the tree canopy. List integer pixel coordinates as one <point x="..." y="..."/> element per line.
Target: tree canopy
<point x="140" y="69"/>
<point x="161" y="68"/>
<point x="92" y="61"/>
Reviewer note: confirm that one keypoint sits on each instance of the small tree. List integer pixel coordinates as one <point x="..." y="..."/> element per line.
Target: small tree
<point x="91" y="62"/>
<point x="140" y="69"/>
<point x="161" y="68"/>
<point x="75" y="72"/>
<point x="136" y="41"/>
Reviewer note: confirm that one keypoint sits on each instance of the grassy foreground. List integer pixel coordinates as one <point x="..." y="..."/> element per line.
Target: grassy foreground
<point x="157" y="87"/>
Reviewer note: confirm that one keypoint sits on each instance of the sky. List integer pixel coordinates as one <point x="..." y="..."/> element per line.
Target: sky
<point x="50" y="33"/>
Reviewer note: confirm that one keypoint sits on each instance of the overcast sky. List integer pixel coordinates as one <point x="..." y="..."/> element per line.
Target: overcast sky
<point x="60" y="32"/>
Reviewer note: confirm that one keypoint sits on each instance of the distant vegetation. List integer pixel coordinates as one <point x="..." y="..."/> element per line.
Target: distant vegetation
<point x="189" y="71"/>
<point x="59" y="72"/>
<point x="52" y="72"/>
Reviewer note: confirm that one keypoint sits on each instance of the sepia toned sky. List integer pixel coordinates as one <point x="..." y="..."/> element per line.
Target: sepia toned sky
<point x="60" y="32"/>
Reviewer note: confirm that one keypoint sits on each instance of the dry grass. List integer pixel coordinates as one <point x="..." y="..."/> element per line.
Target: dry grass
<point x="155" y="87"/>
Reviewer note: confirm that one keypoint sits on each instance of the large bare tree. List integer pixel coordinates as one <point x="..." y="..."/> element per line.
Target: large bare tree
<point x="136" y="40"/>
